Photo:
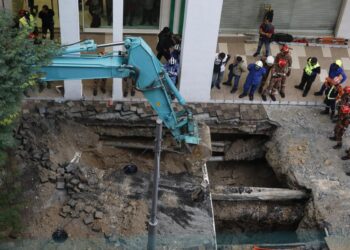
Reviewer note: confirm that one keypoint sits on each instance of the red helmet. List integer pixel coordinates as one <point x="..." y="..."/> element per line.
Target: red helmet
<point x="345" y="109"/>
<point x="282" y="63"/>
<point x="285" y="48"/>
<point x="347" y="89"/>
<point x="21" y="12"/>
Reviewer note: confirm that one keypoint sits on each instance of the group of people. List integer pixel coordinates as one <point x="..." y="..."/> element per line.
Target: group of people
<point x="27" y="23"/>
<point x="258" y="72"/>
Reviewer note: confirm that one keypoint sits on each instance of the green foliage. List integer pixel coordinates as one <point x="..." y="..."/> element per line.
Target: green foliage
<point x="11" y="201"/>
<point x="18" y="55"/>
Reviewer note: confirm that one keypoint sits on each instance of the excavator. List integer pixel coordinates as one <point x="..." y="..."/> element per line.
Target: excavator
<point x="138" y="61"/>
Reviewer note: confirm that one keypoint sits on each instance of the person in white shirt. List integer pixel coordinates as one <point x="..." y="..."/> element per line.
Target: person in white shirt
<point x="220" y="62"/>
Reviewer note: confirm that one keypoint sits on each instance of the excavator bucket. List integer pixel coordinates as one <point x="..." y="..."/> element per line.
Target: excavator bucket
<point x="202" y="151"/>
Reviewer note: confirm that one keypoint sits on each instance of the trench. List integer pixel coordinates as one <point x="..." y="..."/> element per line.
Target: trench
<point x="241" y="217"/>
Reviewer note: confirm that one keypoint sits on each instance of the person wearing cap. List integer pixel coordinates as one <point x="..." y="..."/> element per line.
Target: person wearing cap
<point x="256" y="73"/>
<point x="268" y="63"/>
<point x="335" y="70"/>
<point x="235" y="71"/>
<point x="311" y="70"/>
<point x="278" y="71"/>
<point x="284" y="54"/>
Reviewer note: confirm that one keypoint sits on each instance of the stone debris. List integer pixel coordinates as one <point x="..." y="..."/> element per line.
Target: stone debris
<point x="98" y="215"/>
<point x="88" y="219"/>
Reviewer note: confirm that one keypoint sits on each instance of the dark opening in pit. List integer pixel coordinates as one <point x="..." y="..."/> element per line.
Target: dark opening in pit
<point x="60" y="235"/>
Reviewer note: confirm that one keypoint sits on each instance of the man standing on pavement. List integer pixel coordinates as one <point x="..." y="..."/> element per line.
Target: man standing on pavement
<point x="285" y="55"/>
<point x="335" y="70"/>
<point x="47" y="23"/>
<point x="277" y="73"/>
<point x="235" y="71"/>
<point x="266" y="31"/>
<point x="256" y="72"/>
<point x="268" y="63"/>
<point x="220" y="62"/>
<point x="333" y="93"/>
<point x="311" y="70"/>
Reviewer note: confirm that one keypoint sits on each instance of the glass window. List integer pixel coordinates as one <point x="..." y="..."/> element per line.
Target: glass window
<point x="141" y="14"/>
<point x="97" y="13"/>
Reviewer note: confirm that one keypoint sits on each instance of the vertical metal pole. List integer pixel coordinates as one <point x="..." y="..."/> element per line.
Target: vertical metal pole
<point x="152" y="223"/>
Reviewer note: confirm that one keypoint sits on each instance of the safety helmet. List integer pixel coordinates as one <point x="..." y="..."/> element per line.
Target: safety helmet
<point x="347" y="89"/>
<point x="282" y="63"/>
<point x="285" y="48"/>
<point x="259" y="64"/>
<point x="270" y="60"/>
<point x="339" y="62"/>
<point x="172" y="61"/>
<point x="345" y="109"/>
<point x="21" y="12"/>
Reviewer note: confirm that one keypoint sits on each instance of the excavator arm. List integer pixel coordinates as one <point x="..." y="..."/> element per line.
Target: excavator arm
<point x="137" y="61"/>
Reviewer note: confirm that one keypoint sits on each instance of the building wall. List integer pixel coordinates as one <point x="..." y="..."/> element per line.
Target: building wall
<point x="343" y="26"/>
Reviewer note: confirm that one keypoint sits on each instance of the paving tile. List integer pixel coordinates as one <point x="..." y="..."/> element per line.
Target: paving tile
<point x="326" y="52"/>
<point x="298" y="50"/>
<point x="312" y="51"/>
<point x="223" y="47"/>
<point x="250" y="48"/>
<point x="275" y="49"/>
<point x="296" y="63"/>
<point x="339" y="53"/>
<point x="346" y="63"/>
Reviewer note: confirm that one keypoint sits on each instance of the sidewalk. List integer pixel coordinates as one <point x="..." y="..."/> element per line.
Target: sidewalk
<point x="235" y="46"/>
<point x="325" y="55"/>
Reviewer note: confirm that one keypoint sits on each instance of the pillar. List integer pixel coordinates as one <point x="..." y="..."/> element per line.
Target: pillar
<point x="70" y="33"/>
<point x="343" y="27"/>
<point x="200" y="35"/>
<point x="6" y="5"/>
<point x="118" y="9"/>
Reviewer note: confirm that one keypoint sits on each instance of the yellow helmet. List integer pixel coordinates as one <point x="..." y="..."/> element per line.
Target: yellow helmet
<point x="339" y="62"/>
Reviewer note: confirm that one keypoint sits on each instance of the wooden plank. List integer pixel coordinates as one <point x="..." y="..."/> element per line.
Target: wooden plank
<point x="225" y="193"/>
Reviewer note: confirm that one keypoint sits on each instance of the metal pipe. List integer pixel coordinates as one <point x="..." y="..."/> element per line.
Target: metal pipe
<point x="110" y="44"/>
<point x="152" y="223"/>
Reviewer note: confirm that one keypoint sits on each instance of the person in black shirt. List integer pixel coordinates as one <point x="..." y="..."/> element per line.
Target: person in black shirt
<point x="46" y="16"/>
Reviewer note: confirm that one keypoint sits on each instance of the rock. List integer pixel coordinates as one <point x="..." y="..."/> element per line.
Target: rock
<point x="98" y="215"/>
<point x="60" y="171"/>
<point x="66" y="209"/>
<point x="327" y="162"/>
<point x="60" y="185"/>
<point x="96" y="227"/>
<point x="88" y="209"/>
<point x="67" y="177"/>
<point x="74" y="181"/>
<point x="92" y="180"/>
<point x="45" y="156"/>
<point x="72" y="203"/>
<point x="88" y="219"/>
<point x="44" y="176"/>
<point x="79" y="206"/>
<point x="82" y="187"/>
<point x="70" y="104"/>
<point x="70" y="168"/>
<point x="64" y="215"/>
<point x="74" y="214"/>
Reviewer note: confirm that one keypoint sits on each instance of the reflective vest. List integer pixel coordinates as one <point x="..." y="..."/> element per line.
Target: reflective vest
<point x="24" y="24"/>
<point x="309" y="68"/>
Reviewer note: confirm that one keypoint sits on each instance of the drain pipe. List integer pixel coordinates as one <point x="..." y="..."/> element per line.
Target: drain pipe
<point x="152" y="223"/>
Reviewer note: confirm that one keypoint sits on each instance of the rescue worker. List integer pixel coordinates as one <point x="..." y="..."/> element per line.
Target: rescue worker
<point x="310" y="72"/>
<point x="344" y="100"/>
<point x="284" y="54"/>
<point x="340" y="127"/>
<point x="129" y="84"/>
<point x="335" y="70"/>
<point x="173" y="69"/>
<point x="278" y="72"/>
<point x="235" y="71"/>
<point x="333" y="92"/>
<point x="26" y="21"/>
<point x="268" y="63"/>
<point x="256" y="73"/>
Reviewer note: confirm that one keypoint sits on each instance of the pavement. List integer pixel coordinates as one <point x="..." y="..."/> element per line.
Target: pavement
<point x="235" y="46"/>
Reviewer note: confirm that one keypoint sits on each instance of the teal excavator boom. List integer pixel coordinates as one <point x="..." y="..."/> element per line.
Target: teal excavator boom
<point x="139" y="62"/>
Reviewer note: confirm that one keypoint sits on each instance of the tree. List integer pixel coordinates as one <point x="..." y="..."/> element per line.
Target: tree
<point x="18" y="55"/>
<point x="20" y="61"/>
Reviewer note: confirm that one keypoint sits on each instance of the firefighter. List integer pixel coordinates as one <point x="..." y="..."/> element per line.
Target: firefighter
<point x="278" y="72"/>
<point x="340" y="127"/>
<point x="344" y="100"/>
<point x="333" y="93"/>
<point x="284" y="54"/>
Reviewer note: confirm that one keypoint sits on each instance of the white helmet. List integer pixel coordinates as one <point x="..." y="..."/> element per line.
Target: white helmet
<point x="259" y="64"/>
<point x="172" y="61"/>
<point x="270" y="60"/>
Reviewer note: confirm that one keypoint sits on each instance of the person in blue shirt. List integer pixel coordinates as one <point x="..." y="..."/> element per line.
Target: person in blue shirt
<point x="335" y="70"/>
<point x="255" y="75"/>
<point x="172" y="68"/>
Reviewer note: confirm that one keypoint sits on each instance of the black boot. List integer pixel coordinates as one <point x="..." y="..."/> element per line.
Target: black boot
<point x="263" y="97"/>
<point x="332" y="138"/>
<point x="338" y="146"/>
<point x="318" y="93"/>
<point x="298" y="87"/>
<point x="344" y="158"/>
<point x="332" y="114"/>
<point x="325" y="112"/>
